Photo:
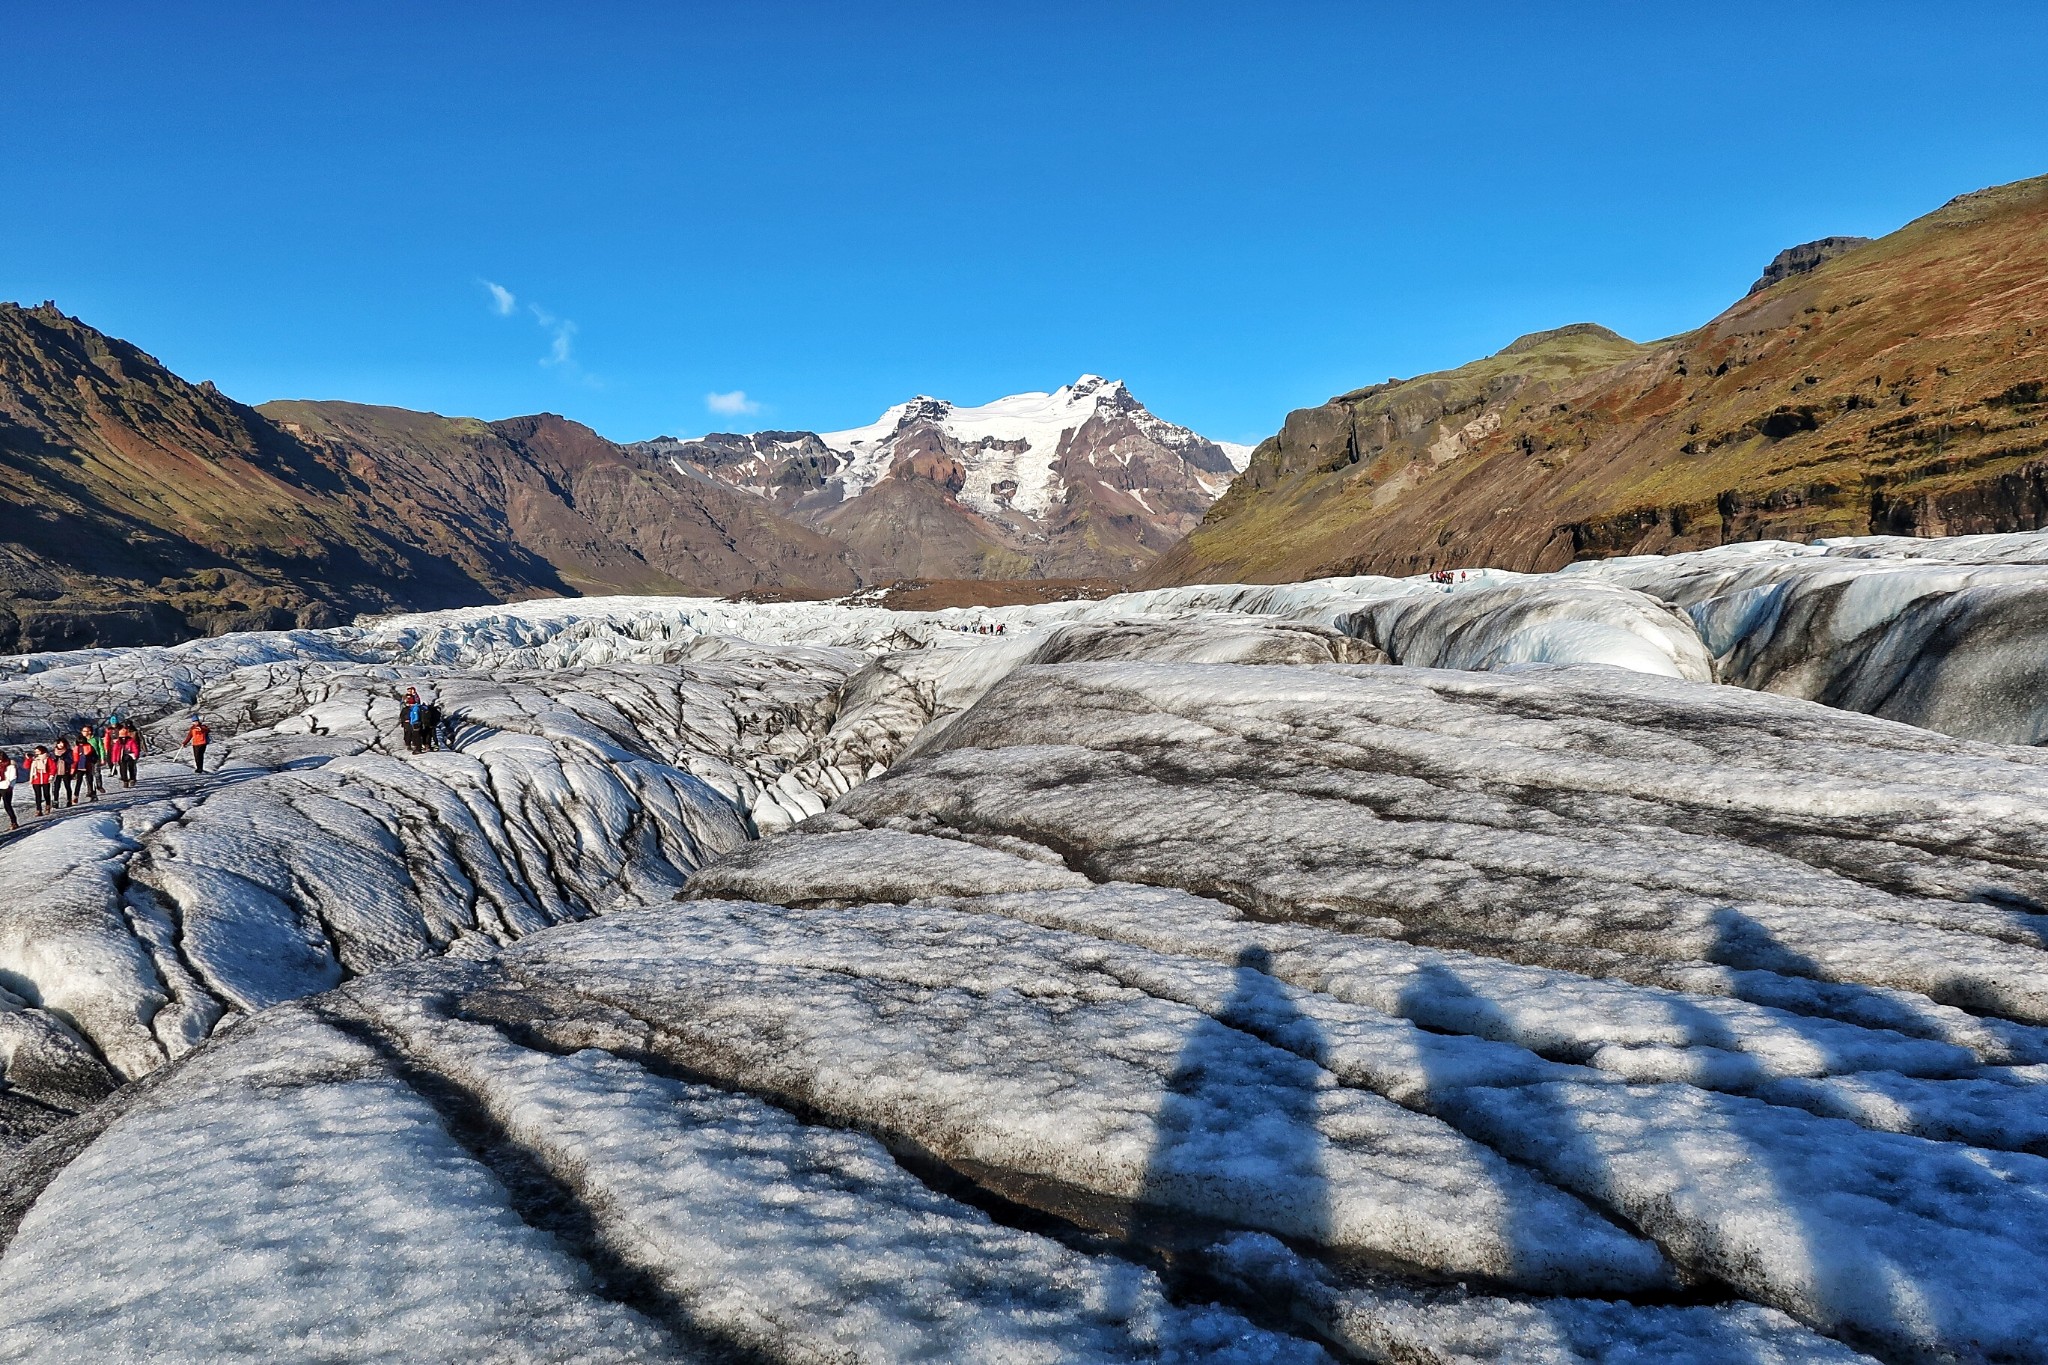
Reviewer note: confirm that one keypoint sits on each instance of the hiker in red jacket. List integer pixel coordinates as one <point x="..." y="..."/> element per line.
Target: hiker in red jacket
<point x="42" y="769"/>
<point x="196" y="739"/>
<point x="127" y="752"/>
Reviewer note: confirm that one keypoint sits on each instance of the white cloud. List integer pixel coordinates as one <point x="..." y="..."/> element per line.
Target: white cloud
<point x="734" y="404"/>
<point x="558" y="346"/>
<point x="562" y="333"/>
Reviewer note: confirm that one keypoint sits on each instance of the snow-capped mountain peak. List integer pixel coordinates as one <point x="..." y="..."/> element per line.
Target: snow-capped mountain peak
<point x="1009" y="449"/>
<point x="1085" y="463"/>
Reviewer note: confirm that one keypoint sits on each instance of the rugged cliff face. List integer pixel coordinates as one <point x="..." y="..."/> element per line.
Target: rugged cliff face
<point x="144" y="509"/>
<point x="1896" y="386"/>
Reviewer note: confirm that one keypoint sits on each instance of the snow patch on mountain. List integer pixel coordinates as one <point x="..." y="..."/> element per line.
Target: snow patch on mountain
<point x="1018" y="440"/>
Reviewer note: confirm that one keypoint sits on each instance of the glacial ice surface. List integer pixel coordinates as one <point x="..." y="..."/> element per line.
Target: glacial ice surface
<point x="1164" y="978"/>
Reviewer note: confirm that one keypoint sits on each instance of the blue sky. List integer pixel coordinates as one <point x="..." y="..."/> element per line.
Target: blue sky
<point x="1240" y="209"/>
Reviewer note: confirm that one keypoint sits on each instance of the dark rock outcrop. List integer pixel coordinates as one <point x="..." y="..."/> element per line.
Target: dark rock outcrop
<point x="1797" y="260"/>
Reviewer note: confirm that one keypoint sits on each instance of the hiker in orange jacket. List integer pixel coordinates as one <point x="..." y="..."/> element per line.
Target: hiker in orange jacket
<point x="196" y="739"/>
<point x="92" y="754"/>
<point x="85" y="767"/>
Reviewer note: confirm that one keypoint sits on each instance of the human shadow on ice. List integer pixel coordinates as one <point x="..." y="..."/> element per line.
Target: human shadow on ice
<point x="1237" y="1132"/>
<point x="1435" y="998"/>
<point x="1891" y="1242"/>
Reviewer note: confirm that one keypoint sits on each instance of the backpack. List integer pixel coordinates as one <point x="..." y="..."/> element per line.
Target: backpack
<point x="412" y="715"/>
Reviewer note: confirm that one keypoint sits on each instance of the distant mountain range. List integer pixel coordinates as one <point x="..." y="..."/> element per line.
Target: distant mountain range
<point x="1892" y="386"/>
<point x="1081" y="482"/>
<point x="145" y="509"/>
<point x="1897" y="385"/>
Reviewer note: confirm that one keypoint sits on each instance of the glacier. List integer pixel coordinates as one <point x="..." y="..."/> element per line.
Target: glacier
<point x="1639" y="962"/>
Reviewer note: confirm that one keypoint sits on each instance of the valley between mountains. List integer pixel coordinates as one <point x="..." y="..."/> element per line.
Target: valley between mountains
<point x="1895" y="386"/>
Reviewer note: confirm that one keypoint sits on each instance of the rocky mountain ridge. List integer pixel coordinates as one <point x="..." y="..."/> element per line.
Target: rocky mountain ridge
<point x="149" y="509"/>
<point x="146" y="509"/>
<point x="1896" y="386"/>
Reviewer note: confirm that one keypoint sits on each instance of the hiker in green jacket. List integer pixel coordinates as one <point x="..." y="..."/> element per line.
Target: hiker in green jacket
<point x="90" y="741"/>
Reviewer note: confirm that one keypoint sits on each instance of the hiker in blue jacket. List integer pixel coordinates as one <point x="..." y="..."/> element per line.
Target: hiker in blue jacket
<point x="411" y="714"/>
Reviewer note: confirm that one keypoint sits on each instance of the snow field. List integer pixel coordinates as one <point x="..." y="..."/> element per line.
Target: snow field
<point x="1379" y="1319"/>
<point x="1758" y="1128"/>
<point x="316" y="852"/>
<point x="295" y="1201"/>
<point x="1800" y="1212"/>
<point x="792" y="1238"/>
<point x="1389" y="804"/>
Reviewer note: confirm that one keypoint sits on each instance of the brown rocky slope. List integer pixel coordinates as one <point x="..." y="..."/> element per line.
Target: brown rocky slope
<point x="1897" y="386"/>
<point x="144" y="509"/>
<point x="602" y="518"/>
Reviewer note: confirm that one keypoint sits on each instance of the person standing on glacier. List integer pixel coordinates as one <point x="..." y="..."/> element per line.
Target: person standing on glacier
<point x="63" y="773"/>
<point x="41" y="769"/>
<point x="128" y="752"/>
<point x="8" y="773"/>
<point x="110" y="746"/>
<point x="411" y="712"/>
<point x="196" y="738"/>
<point x="85" y="767"/>
<point x="94" y="751"/>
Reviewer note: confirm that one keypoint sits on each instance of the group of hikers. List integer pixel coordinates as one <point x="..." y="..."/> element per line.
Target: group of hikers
<point x="420" y="722"/>
<point x="74" y="768"/>
<point x="997" y="629"/>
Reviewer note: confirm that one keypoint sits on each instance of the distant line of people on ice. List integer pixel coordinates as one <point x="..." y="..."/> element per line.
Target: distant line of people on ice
<point x="74" y="768"/>
<point x="984" y="629"/>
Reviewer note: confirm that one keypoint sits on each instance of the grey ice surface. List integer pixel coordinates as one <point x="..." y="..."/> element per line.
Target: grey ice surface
<point x="1363" y="969"/>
